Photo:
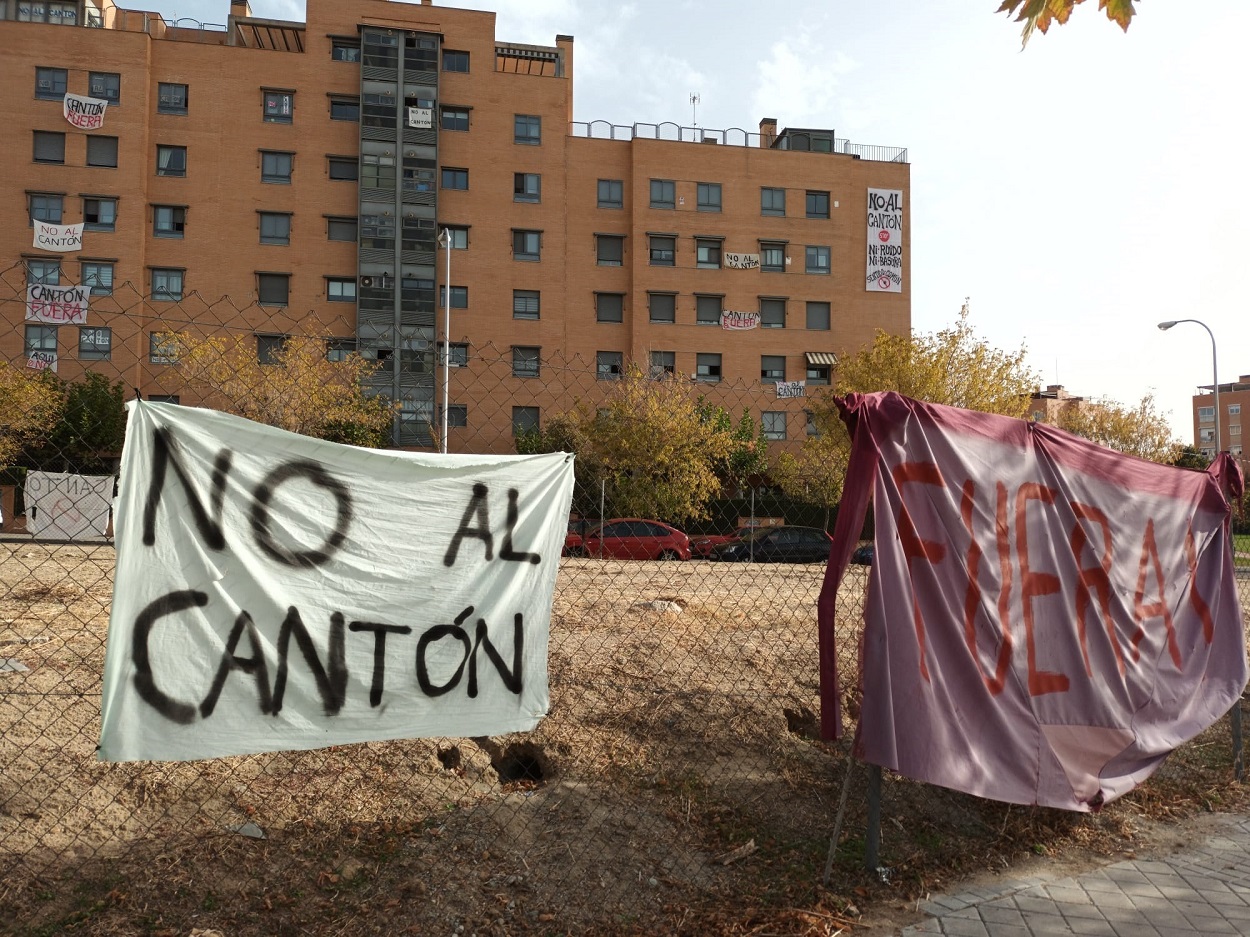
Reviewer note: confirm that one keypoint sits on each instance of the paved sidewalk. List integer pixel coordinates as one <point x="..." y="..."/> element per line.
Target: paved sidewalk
<point x="1203" y="890"/>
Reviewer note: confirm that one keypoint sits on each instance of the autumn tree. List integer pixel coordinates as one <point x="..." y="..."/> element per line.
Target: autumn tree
<point x="90" y="428"/>
<point x="30" y="405"/>
<point x="1039" y="14"/>
<point x="1139" y="430"/>
<point x="297" y="387"/>
<point x="816" y="473"/>
<point x="748" y="452"/>
<point x="1190" y="458"/>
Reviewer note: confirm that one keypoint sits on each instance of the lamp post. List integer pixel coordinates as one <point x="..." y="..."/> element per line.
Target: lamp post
<point x="444" y="240"/>
<point x="1234" y="717"/>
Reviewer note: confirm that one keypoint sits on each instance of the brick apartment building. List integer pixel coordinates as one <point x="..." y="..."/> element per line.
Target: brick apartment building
<point x="306" y="170"/>
<point x="1234" y="400"/>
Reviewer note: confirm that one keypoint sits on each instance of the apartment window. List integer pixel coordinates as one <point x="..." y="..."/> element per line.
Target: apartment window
<point x="343" y="168"/>
<point x="608" y="365"/>
<point x="527" y="245"/>
<point x="773" y="257"/>
<point x="609" y="250"/>
<point x="817" y="259"/>
<point x="525" y="361"/>
<point x="167" y="283"/>
<point x="453" y="118"/>
<point x="813" y="428"/>
<point x="99" y="214"/>
<point x="341" y="229"/>
<point x="663" y="193"/>
<point x="275" y="227"/>
<point x="527" y="129"/>
<point x="663" y="362"/>
<point x="611" y="193"/>
<point x="455" y="178"/>
<point x="772" y="313"/>
<point x="269" y="348"/>
<point x="341" y="289"/>
<point x="273" y="289"/>
<point x="457" y="414"/>
<point x="526" y="304"/>
<point x="49" y="147"/>
<point x="818" y="317"/>
<point x="1234" y="450"/>
<point x="102" y="151"/>
<point x="162" y="348"/>
<point x="524" y="420"/>
<point x="455" y="61"/>
<point x="707" y="368"/>
<point x="95" y="343"/>
<point x="609" y="307"/>
<point x="97" y="276"/>
<point x="171" y="160"/>
<point x="707" y="254"/>
<point x="526" y="187"/>
<point x="773" y="422"/>
<point x="338" y="349"/>
<point x="48" y="208"/>
<point x="1234" y="409"/>
<point x="772" y="201"/>
<point x="818" y="374"/>
<point x="662" y="307"/>
<point x="279" y="107"/>
<point x="1234" y="429"/>
<point x="1206" y="435"/>
<point x="708" y="196"/>
<point x="344" y="108"/>
<point x="45" y="272"/>
<point x="276" y="167"/>
<point x="1206" y="414"/>
<point x="168" y="221"/>
<point x="40" y="339"/>
<point x="51" y="83"/>
<point x="817" y="204"/>
<point x="107" y="85"/>
<point x="459" y="297"/>
<point x="171" y="98"/>
<point x="707" y="310"/>
<point x="459" y="237"/>
<point x="772" y="368"/>
<point x="345" y="50"/>
<point x="663" y="251"/>
<point x="457" y="354"/>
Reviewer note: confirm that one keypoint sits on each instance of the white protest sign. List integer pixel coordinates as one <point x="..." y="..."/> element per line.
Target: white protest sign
<point x="421" y="118"/>
<point x="57" y="237"/>
<point x="67" y="507"/>
<point x="741" y="261"/>
<point x="732" y="321"/>
<point x="278" y="592"/>
<point x="58" y="305"/>
<point x="42" y="361"/>
<point x="885" y="241"/>
<point x="791" y="389"/>
<point x="83" y="112"/>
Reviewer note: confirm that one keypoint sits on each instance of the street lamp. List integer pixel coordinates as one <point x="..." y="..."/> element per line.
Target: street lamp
<point x="444" y="240"/>
<point x="1215" y="377"/>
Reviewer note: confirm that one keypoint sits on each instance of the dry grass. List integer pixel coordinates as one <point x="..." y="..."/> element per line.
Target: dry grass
<point x="673" y="740"/>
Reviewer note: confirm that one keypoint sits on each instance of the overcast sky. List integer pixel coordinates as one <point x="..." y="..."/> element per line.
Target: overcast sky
<point x="1078" y="191"/>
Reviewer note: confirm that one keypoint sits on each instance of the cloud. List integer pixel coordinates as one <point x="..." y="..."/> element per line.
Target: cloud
<point x="801" y="77"/>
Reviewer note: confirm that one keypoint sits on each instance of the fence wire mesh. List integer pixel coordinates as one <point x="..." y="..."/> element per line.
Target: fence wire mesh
<point x="679" y="770"/>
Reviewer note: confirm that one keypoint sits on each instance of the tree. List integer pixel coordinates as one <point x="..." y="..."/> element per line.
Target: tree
<point x="298" y="388"/>
<point x="30" y="405"/>
<point x="748" y="453"/>
<point x="1190" y="458"/>
<point x="815" y="475"/>
<point x="87" y="437"/>
<point x="1039" y="14"/>
<point x="650" y="444"/>
<point x="1139" y="430"/>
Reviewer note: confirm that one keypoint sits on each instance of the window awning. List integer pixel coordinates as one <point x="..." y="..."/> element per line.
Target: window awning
<point x="821" y="357"/>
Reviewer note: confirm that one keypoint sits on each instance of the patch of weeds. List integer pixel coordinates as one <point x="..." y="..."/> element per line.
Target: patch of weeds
<point x="210" y="902"/>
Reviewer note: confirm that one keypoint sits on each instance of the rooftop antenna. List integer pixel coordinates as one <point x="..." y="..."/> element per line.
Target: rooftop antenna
<point x="695" y="99"/>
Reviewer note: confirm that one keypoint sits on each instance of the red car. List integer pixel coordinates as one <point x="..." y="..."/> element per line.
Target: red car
<point x="701" y="546"/>
<point x="632" y="538"/>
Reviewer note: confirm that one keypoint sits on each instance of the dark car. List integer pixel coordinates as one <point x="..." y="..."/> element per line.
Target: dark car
<point x="575" y="539"/>
<point x="777" y="545"/>
<point x="703" y="544"/>
<point x="863" y="555"/>
<point x="633" y="538"/>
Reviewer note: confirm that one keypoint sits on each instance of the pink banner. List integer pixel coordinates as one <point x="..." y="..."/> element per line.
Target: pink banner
<point x="1046" y="619"/>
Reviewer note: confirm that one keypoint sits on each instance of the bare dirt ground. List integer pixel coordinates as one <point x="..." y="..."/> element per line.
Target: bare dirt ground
<point x="677" y="786"/>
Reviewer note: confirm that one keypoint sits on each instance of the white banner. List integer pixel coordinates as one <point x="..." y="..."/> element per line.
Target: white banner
<point x="741" y="261"/>
<point x="67" y="507"/>
<point x="885" y="241"/>
<point x="57" y="305"/>
<point x="57" y="237"/>
<point x="42" y="361"/>
<point x="421" y="118"/>
<point x="83" y="112"/>
<point x="739" y="321"/>
<point x="791" y="389"/>
<point x="278" y="592"/>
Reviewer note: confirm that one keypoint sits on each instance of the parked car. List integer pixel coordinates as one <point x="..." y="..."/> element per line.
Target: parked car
<point x="633" y="538"/>
<point x="575" y="539"/>
<point x="863" y="555"/>
<point x="701" y="546"/>
<point x="777" y="545"/>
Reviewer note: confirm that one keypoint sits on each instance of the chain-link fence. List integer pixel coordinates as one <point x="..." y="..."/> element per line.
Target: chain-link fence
<point x="679" y="768"/>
